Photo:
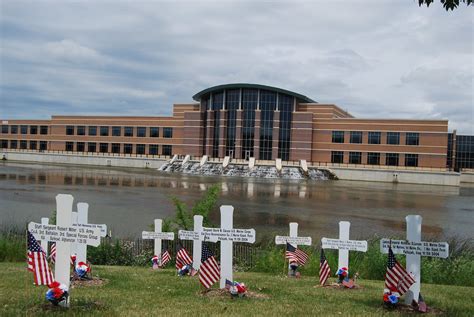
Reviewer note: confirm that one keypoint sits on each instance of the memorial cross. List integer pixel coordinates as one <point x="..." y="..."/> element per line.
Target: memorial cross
<point x="64" y="235"/>
<point x="343" y="244"/>
<point x="293" y="239"/>
<point x="157" y="235"/>
<point x="413" y="248"/>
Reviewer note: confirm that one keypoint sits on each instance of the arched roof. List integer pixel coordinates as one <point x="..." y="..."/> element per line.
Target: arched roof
<point x="206" y="91"/>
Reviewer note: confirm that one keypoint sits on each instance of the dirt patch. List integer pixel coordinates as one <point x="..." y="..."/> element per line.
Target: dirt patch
<point x="87" y="283"/>
<point x="223" y="293"/>
<point x="76" y="306"/>
<point x="408" y="309"/>
<point x="340" y="287"/>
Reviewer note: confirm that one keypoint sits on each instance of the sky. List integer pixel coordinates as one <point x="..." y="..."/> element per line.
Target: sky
<point x="376" y="59"/>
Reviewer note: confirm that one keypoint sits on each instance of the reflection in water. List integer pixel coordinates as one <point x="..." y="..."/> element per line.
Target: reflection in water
<point x="128" y="200"/>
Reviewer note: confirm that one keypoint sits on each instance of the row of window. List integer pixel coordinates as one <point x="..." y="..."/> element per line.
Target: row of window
<point x="23" y="144"/>
<point x="391" y="159"/>
<point x="152" y="132"/>
<point x="24" y="129"/>
<point x="411" y="138"/>
<point x="153" y="149"/>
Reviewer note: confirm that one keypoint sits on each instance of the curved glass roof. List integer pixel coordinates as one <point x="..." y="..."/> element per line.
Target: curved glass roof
<point x="206" y="91"/>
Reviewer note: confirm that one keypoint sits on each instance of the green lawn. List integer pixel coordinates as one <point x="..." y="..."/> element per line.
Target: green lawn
<point x="137" y="291"/>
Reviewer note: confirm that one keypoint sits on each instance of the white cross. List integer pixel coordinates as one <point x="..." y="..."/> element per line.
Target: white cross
<point x="226" y="234"/>
<point x="414" y="249"/>
<point x="343" y="244"/>
<point x="158" y="236"/>
<point x="64" y="235"/>
<point x="293" y="239"/>
<point x="44" y="243"/>
<point x="197" y="238"/>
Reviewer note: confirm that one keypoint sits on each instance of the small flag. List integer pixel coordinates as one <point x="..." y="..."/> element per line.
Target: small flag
<point x="209" y="273"/>
<point x="293" y="253"/>
<point x="324" y="269"/>
<point x="396" y="277"/>
<point x="164" y="258"/>
<point x="37" y="262"/>
<point x="228" y="284"/>
<point x="52" y="253"/>
<point x="182" y="257"/>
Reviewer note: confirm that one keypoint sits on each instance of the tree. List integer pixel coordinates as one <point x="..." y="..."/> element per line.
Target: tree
<point x="447" y="4"/>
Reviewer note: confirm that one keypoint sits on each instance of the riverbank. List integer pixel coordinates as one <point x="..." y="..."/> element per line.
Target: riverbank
<point x="136" y="291"/>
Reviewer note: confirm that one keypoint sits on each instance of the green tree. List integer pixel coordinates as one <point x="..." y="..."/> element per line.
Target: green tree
<point x="447" y="4"/>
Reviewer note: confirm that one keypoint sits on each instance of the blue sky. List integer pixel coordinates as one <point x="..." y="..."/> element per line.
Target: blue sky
<point x="377" y="59"/>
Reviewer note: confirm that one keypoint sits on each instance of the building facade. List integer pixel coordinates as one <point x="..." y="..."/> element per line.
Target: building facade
<point x="243" y="121"/>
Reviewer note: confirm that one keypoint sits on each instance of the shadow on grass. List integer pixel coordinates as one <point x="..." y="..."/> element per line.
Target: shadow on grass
<point x="77" y="306"/>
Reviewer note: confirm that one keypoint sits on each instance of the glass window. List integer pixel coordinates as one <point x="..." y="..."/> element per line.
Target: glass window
<point x="249" y="106"/>
<point x="92" y="147"/>
<point x="464" y="152"/>
<point x="23" y="144"/>
<point x="154" y="132"/>
<point x="337" y="136"/>
<point x="4" y="144"/>
<point x="167" y="132"/>
<point x="141" y="132"/>
<point x="81" y="130"/>
<point x="232" y="104"/>
<point x="412" y="138"/>
<point x="127" y="148"/>
<point x="115" y="147"/>
<point x="128" y="131"/>
<point x="391" y="159"/>
<point x="375" y="137"/>
<point x="92" y="130"/>
<point x="217" y="103"/>
<point x="13" y="129"/>
<point x="140" y="149"/>
<point x="104" y="131"/>
<point x="116" y="131"/>
<point x="43" y="146"/>
<point x="337" y="157"/>
<point x="44" y="129"/>
<point x="411" y="160"/>
<point x="33" y="145"/>
<point x="267" y="113"/>
<point x="33" y="129"/>
<point x="166" y="150"/>
<point x="13" y="144"/>
<point x="285" y="105"/>
<point x="355" y="157"/>
<point x="80" y="146"/>
<point x="69" y="146"/>
<point x="24" y="129"/>
<point x="153" y="149"/>
<point x="393" y="137"/>
<point x="69" y="130"/>
<point x="104" y="147"/>
<point x="4" y="129"/>
<point x="355" y="137"/>
<point x="373" y="158"/>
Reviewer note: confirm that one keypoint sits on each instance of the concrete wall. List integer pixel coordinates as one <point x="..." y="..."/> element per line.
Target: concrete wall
<point x="467" y="177"/>
<point x="389" y="176"/>
<point x="84" y="159"/>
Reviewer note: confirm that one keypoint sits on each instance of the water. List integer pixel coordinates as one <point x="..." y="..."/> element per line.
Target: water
<point x="128" y="200"/>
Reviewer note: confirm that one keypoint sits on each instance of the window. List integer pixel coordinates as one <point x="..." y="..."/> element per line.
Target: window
<point x="116" y="131"/>
<point x="391" y="159"/>
<point x="43" y="146"/>
<point x="127" y="148"/>
<point x="141" y="132"/>
<point x="140" y="148"/>
<point x="374" y="137"/>
<point x="373" y="158"/>
<point x="24" y="129"/>
<point x="92" y="130"/>
<point x="154" y="132"/>
<point x="81" y="130"/>
<point x="337" y="157"/>
<point x="411" y="160"/>
<point x="356" y="137"/>
<point x="153" y="149"/>
<point x="393" y="137"/>
<point x="167" y="132"/>
<point x="69" y="146"/>
<point x="249" y="105"/>
<point x="69" y="130"/>
<point x="104" y="147"/>
<point x="4" y="144"/>
<point x="337" y="136"/>
<point x="44" y="129"/>
<point x="355" y="157"/>
<point x="13" y="144"/>
<point x="128" y="131"/>
<point x="4" y="129"/>
<point x="232" y="104"/>
<point x="412" y="138"/>
<point x="80" y="146"/>
<point x="33" y="129"/>
<point x="23" y="145"/>
<point x="33" y="145"/>
<point x="13" y="129"/>
<point x="104" y="131"/>
<point x="91" y="147"/>
<point x="285" y="105"/>
<point x="166" y="150"/>
<point x="115" y="147"/>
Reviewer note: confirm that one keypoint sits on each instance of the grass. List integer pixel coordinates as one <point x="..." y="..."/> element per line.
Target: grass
<point x="139" y="291"/>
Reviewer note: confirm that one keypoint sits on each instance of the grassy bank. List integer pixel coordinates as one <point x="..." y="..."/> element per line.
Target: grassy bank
<point x="139" y="291"/>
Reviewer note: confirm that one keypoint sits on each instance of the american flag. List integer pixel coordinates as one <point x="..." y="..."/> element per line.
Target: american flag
<point x="209" y="273"/>
<point x="182" y="257"/>
<point x="37" y="262"/>
<point x="296" y="254"/>
<point x="324" y="269"/>
<point x="396" y="276"/>
<point x="52" y="253"/>
<point x="164" y="258"/>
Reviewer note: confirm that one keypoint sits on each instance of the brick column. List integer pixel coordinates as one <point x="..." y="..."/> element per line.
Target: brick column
<point x="222" y="132"/>
<point x="238" y="135"/>
<point x="275" y="134"/>
<point x="209" y="132"/>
